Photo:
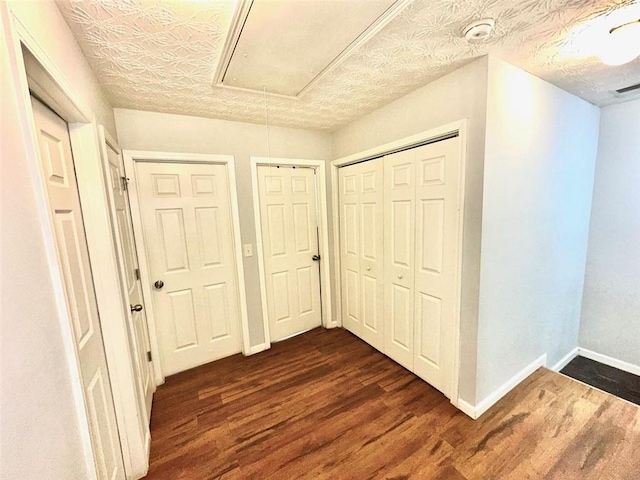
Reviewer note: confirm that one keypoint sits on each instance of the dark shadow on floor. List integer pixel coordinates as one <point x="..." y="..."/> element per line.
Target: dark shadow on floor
<point x="616" y="382"/>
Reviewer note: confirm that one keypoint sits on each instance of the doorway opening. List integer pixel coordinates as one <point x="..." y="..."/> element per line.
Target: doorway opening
<point x="291" y="231"/>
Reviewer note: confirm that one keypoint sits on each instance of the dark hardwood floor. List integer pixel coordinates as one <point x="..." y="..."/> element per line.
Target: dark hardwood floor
<point x="325" y="405"/>
<point x="617" y="382"/>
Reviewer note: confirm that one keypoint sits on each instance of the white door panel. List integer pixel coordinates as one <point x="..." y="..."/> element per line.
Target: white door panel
<point x="370" y="201"/>
<point x="290" y="240"/>
<point x="362" y="248"/>
<point x="138" y="328"/>
<point x="64" y="202"/>
<point x="399" y="219"/>
<point x="350" y="248"/>
<point x="437" y="193"/>
<point x="186" y="216"/>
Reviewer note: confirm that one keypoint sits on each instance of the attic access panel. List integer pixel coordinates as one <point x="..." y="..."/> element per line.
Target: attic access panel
<point x="286" y="46"/>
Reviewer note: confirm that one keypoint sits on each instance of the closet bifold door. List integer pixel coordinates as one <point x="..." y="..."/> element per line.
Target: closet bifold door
<point x="437" y="203"/>
<point x="350" y="249"/>
<point x="362" y="250"/>
<point x="399" y="241"/>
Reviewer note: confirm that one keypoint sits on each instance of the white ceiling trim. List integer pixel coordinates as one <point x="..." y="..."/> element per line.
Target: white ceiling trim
<point x="240" y="16"/>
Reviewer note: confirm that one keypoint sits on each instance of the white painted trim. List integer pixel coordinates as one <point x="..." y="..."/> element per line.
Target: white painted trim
<point x="459" y="127"/>
<point x="565" y="360"/>
<point x="467" y="408"/>
<point x="509" y="385"/>
<point x="242" y="292"/>
<point x="607" y="360"/>
<point x="477" y="410"/>
<point x="322" y="214"/>
<point x="130" y="158"/>
<point x="239" y="18"/>
<point x="385" y="148"/>
<point x="259" y="251"/>
<point x="259" y="348"/>
<point x="462" y="134"/>
<point x="173" y="157"/>
<point x="335" y="218"/>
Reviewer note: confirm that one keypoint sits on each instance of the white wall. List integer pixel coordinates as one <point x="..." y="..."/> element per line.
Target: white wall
<point x="460" y="94"/>
<point x="40" y="431"/>
<point x="611" y="306"/>
<point x="539" y="164"/>
<point x="138" y="130"/>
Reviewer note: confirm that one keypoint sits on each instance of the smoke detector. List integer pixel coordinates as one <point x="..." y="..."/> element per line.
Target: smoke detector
<point x="479" y="30"/>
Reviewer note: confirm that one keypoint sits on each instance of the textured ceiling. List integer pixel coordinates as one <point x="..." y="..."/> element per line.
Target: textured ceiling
<point x="162" y="55"/>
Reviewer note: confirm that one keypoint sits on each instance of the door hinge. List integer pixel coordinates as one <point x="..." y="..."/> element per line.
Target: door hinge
<point x="137" y="273"/>
<point x="123" y="181"/>
<point x="149" y="358"/>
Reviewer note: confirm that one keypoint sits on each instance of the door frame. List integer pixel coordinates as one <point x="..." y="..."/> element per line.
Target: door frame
<point x="327" y="319"/>
<point x="439" y="133"/>
<point x="32" y="69"/>
<point x="130" y="157"/>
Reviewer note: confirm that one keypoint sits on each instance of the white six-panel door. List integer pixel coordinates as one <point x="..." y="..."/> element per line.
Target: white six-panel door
<point x="399" y="229"/>
<point x="188" y="233"/>
<point x="62" y="191"/>
<point x="288" y="219"/>
<point x="437" y="189"/>
<point x="362" y="246"/>
<point x="138" y="328"/>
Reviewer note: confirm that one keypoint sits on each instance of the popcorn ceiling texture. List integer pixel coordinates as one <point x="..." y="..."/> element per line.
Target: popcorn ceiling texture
<point x="161" y="56"/>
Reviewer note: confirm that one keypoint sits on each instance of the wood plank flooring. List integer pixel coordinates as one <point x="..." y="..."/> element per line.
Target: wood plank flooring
<point x="325" y="405"/>
<point x="617" y="382"/>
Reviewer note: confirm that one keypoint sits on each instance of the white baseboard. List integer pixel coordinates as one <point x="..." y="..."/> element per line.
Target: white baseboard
<point x="509" y="385"/>
<point x="565" y="360"/>
<point x="612" y="362"/>
<point x="257" y="349"/>
<point x="467" y="408"/>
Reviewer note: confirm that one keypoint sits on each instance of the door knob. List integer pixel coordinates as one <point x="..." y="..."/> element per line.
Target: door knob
<point x="159" y="284"/>
<point x="315" y="258"/>
<point x="400" y="277"/>
<point x="136" y="308"/>
<point x="368" y="268"/>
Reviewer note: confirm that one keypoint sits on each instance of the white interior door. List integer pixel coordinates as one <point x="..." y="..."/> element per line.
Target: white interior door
<point x="288" y="220"/>
<point x="138" y="328"/>
<point x="362" y="250"/>
<point x="350" y="248"/>
<point x="437" y="205"/>
<point x="399" y="220"/>
<point x="189" y="240"/>
<point x="58" y="171"/>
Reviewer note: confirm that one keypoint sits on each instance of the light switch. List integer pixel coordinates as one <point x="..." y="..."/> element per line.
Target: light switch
<point x="248" y="250"/>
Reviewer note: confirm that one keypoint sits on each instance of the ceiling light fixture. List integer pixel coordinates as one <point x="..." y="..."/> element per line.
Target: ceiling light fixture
<point x="479" y="30"/>
<point x="622" y="44"/>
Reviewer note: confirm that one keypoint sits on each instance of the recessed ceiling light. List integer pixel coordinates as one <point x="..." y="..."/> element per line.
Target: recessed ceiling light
<point x="622" y="44"/>
<point x="479" y="30"/>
